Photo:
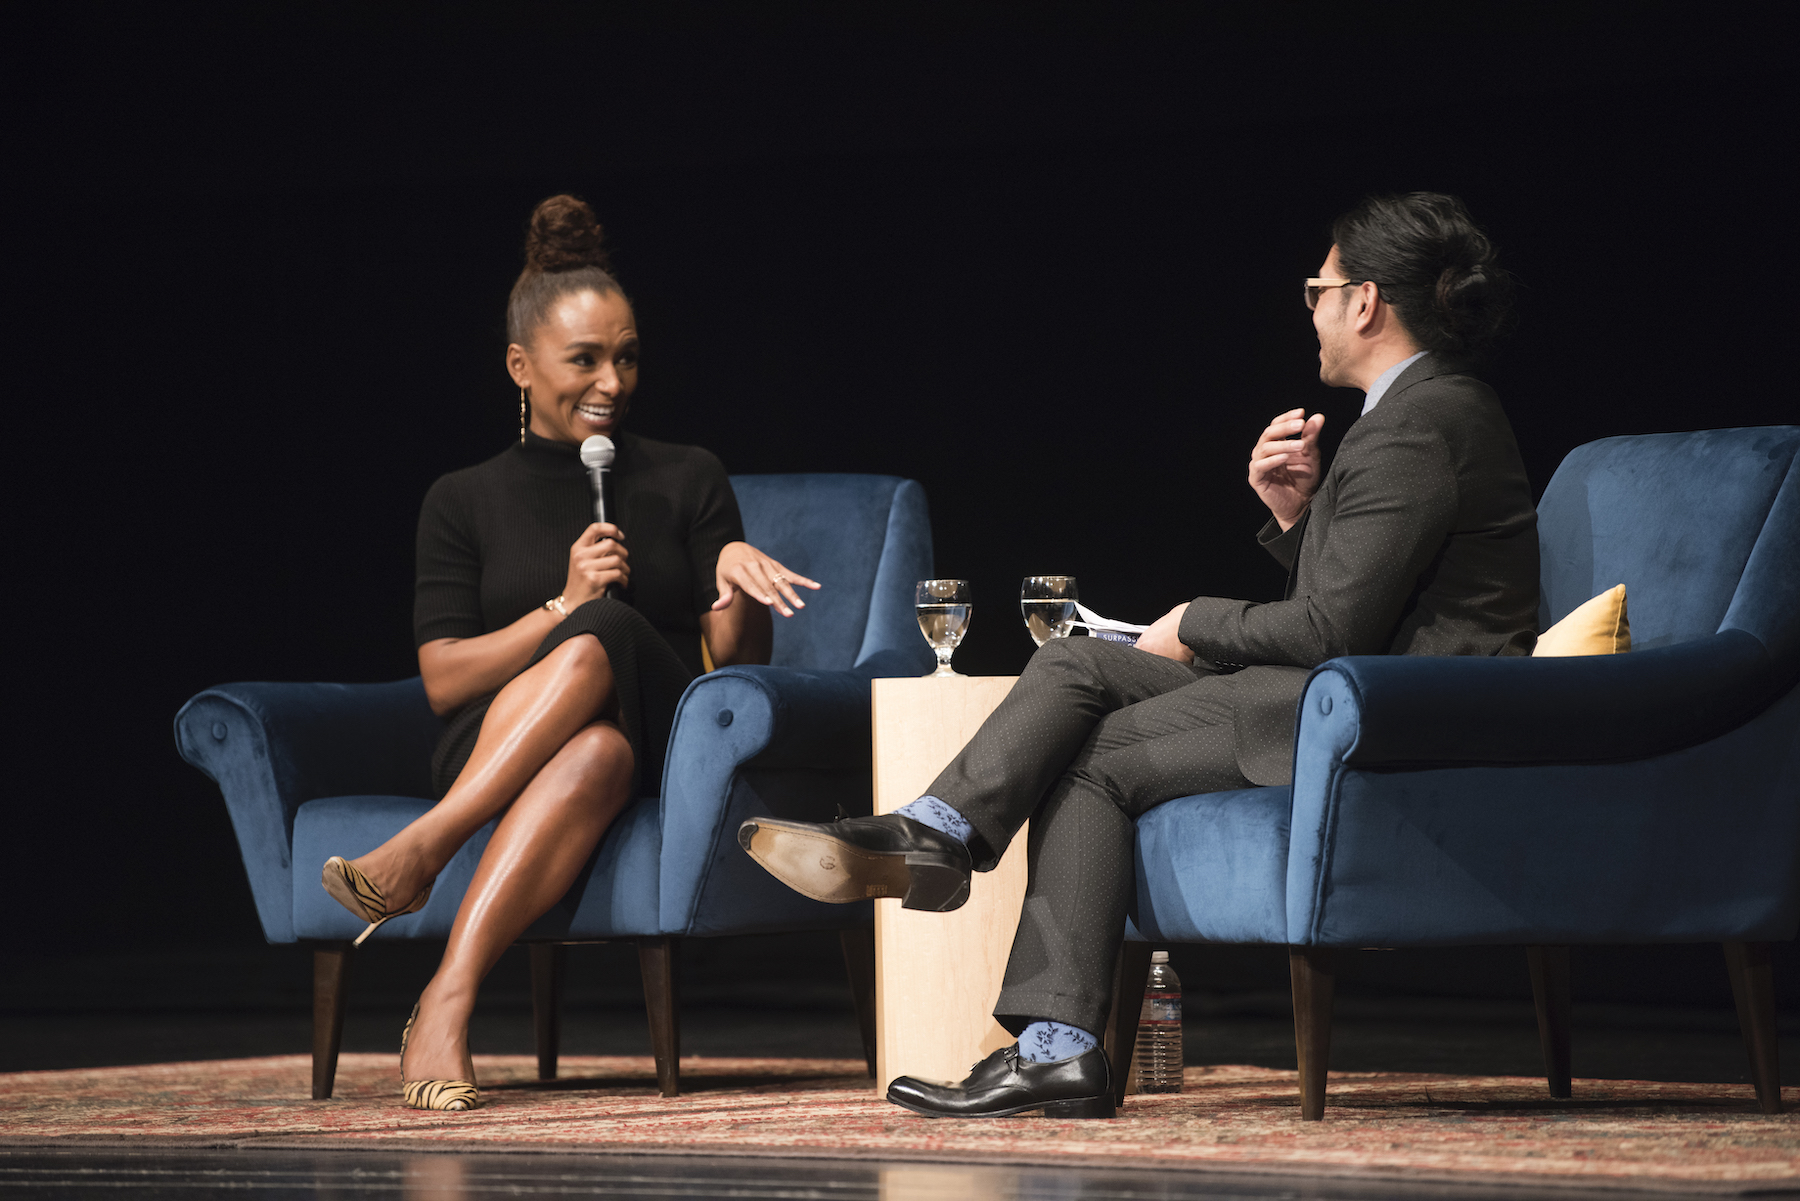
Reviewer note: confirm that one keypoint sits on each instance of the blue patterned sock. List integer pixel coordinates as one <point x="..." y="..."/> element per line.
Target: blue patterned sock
<point x="929" y="811"/>
<point x="1052" y="1042"/>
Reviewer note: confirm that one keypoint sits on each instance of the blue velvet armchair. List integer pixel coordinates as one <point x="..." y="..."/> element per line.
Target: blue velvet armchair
<point x="1648" y="797"/>
<point x="313" y="770"/>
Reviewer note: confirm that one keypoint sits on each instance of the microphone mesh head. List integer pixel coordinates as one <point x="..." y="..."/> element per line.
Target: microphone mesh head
<point x="597" y="451"/>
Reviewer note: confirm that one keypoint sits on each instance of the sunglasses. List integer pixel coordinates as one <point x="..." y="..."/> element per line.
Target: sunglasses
<point x="1315" y="286"/>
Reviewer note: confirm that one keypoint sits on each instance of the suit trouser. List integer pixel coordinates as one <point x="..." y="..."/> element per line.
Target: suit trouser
<point x="1093" y="735"/>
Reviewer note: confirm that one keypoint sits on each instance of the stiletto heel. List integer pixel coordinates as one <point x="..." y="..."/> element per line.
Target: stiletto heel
<point x="435" y="1094"/>
<point x="357" y="893"/>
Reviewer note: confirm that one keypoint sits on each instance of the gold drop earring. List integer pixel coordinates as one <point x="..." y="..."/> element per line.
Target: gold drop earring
<point x="521" y="416"/>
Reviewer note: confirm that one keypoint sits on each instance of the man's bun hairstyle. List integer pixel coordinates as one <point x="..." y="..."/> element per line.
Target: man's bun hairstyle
<point x="1433" y="265"/>
<point x="565" y="252"/>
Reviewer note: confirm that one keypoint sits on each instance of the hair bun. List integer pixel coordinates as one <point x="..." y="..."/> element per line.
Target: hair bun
<point x="1460" y="286"/>
<point x="564" y="235"/>
<point x="1474" y="302"/>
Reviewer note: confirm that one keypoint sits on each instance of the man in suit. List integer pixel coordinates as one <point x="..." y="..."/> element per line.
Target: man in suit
<point x="1421" y="539"/>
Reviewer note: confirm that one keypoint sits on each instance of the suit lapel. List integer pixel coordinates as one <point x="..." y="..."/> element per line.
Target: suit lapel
<point x="1427" y="367"/>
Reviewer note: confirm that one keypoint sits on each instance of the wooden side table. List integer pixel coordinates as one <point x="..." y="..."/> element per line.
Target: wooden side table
<point x="937" y="975"/>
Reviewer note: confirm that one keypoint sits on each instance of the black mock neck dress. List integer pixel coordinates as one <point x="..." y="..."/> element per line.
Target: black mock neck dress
<point x="494" y="544"/>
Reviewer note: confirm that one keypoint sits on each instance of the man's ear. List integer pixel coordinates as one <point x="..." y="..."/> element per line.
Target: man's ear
<point x="1366" y="307"/>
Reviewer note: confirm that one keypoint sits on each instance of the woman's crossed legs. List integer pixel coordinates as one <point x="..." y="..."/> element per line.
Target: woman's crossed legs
<point x="551" y="759"/>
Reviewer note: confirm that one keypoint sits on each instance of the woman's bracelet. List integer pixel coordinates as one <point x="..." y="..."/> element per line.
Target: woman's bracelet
<point x="555" y="605"/>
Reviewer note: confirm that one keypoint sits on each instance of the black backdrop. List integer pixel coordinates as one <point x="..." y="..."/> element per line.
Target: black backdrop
<point x="1045" y="261"/>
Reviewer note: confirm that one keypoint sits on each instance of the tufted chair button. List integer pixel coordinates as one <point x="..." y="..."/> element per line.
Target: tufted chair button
<point x="725" y="716"/>
<point x="218" y="731"/>
<point x="1324" y="704"/>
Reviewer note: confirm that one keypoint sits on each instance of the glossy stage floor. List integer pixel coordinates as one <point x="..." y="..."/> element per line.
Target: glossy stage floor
<point x="302" y="1176"/>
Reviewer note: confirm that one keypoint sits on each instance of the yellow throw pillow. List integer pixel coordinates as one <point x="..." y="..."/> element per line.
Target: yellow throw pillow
<point x="1598" y="627"/>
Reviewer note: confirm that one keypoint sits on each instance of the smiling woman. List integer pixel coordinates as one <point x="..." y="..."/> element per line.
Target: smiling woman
<point x="577" y="377"/>
<point x="557" y="646"/>
<point x="570" y="327"/>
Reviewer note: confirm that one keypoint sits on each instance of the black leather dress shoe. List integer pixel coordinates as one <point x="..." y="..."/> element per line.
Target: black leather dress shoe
<point x="1003" y="1084"/>
<point x="858" y="857"/>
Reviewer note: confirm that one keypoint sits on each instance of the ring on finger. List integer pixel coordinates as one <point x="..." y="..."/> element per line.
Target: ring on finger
<point x="779" y="578"/>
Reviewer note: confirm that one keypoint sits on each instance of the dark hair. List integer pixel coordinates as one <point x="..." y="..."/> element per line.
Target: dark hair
<point x="1434" y="265"/>
<point x="563" y="254"/>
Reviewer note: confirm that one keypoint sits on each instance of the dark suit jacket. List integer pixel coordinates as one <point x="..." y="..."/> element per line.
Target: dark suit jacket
<point x="1422" y="540"/>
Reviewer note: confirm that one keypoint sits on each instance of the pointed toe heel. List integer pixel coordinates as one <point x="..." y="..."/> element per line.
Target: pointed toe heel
<point x="1082" y="1107"/>
<point x="353" y="890"/>
<point x="450" y="1095"/>
<point x="447" y="1095"/>
<point x="359" y="894"/>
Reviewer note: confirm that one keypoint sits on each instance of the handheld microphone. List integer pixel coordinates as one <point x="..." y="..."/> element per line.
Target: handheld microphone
<point x="597" y="456"/>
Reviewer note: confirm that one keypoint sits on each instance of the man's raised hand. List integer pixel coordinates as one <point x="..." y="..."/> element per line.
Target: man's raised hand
<point x="1284" y="470"/>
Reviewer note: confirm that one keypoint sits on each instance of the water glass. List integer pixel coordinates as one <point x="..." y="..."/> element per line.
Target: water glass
<point x="944" y="607"/>
<point x="1048" y="603"/>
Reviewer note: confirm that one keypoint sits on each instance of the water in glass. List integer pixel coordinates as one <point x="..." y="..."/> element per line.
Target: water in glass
<point x="1048" y="603"/>
<point x="944" y="610"/>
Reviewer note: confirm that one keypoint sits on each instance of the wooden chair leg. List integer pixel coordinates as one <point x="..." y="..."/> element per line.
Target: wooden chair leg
<point x="656" y="961"/>
<point x="859" y="962"/>
<point x="1313" y="971"/>
<point x="331" y="979"/>
<point x="547" y="960"/>
<point x="1753" y="988"/>
<point x="675" y="1002"/>
<point x="1130" y="973"/>
<point x="1550" y="989"/>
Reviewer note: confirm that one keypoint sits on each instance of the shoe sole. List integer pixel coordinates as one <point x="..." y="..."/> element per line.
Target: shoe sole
<point x="344" y="893"/>
<point x="829" y="869"/>
<point x="1078" y="1108"/>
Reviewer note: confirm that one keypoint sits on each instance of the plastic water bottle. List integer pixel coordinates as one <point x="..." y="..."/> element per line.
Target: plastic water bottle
<point x="1158" y="1054"/>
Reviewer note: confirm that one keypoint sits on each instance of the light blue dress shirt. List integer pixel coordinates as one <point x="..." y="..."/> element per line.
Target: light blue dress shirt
<point x="1379" y="388"/>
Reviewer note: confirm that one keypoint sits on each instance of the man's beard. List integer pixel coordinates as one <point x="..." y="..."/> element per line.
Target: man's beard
<point x="1331" y="363"/>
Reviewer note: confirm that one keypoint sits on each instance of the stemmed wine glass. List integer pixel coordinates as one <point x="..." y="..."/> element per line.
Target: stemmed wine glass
<point x="944" y="607"/>
<point x="1048" y="603"/>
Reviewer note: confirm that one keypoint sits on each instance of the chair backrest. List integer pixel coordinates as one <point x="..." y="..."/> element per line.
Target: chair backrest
<point x="867" y="539"/>
<point x="1702" y="528"/>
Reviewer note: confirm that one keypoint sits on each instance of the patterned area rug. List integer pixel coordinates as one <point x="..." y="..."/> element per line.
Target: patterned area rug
<point x="1629" y="1134"/>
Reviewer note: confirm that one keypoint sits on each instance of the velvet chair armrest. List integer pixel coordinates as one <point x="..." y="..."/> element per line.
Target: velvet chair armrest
<point x="272" y="747"/>
<point x="737" y="717"/>
<point x="1404" y="710"/>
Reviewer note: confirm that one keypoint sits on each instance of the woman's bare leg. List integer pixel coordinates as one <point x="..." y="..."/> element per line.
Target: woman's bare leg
<point x="530" y="720"/>
<point x="540" y="845"/>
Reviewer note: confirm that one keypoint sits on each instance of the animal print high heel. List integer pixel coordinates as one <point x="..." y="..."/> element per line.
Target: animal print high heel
<point x="433" y="1094"/>
<point x="357" y="893"/>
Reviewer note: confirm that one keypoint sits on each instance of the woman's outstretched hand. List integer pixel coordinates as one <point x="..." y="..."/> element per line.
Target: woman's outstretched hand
<point x="743" y="568"/>
<point x="597" y="561"/>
